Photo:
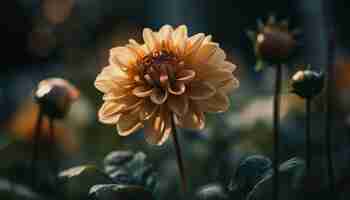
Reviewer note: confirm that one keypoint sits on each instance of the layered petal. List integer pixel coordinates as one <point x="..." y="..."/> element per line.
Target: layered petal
<point x="194" y="43"/>
<point x="165" y="34"/>
<point x="108" y="78"/>
<point x="123" y="57"/>
<point x="194" y="119"/>
<point x="109" y="113"/>
<point x="179" y="37"/>
<point x="129" y="123"/>
<point x="200" y="90"/>
<point x="151" y="39"/>
<point x="185" y="75"/>
<point x="178" y="104"/>
<point x="204" y="53"/>
<point x="217" y="103"/>
<point x="178" y="88"/>
<point x="159" y="96"/>
<point x="148" y="109"/>
<point x="158" y="128"/>
<point x="142" y="91"/>
<point x="172" y="76"/>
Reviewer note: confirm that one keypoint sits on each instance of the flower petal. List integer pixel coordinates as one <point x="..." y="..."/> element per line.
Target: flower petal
<point x="215" y="77"/>
<point x="165" y="34"/>
<point x="218" y="57"/>
<point x="194" y="43"/>
<point x="113" y="119"/>
<point x="177" y="89"/>
<point x="166" y="131"/>
<point x="180" y="39"/>
<point x="193" y="120"/>
<point x="228" y="85"/>
<point x="105" y="81"/>
<point x="178" y="104"/>
<point x="142" y="91"/>
<point x="109" y="112"/>
<point x="159" y="96"/>
<point x="122" y="104"/>
<point x="114" y="95"/>
<point x="200" y="90"/>
<point x="151" y="39"/>
<point x="123" y="57"/>
<point x="158" y="129"/>
<point x="148" y="110"/>
<point x="136" y="48"/>
<point x="129" y="123"/>
<point x="205" y="52"/>
<point x="228" y="66"/>
<point x="185" y="75"/>
<point x="217" y="103"/>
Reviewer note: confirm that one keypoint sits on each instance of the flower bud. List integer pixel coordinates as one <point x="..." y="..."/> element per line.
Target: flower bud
<point x="307" y="83"/>
<point x="273" y="42"/>
<point x="55" y="97"/>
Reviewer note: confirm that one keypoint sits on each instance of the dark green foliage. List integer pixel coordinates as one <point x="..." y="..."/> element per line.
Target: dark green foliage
<point x="128" y="176"/>
<point x="126" y="167"/>
<point x="249" y="172"/>
<point x="291" y="174"/>
<point x="213" y="191"/>
<point x="119" y="192"/>
<point x="77" y="181"/>
<point x="9" y="191"/>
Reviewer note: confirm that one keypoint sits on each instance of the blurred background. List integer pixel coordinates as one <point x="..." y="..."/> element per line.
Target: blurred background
<point x="71" y="39"/>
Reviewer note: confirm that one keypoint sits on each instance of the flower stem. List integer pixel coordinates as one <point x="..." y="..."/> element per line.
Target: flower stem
<point x="179" y="156"/>
<point x="329" y="115"/>
<point x="52" y="150"/>
<point x="330" y="93"/>
<point x="36" y="140"/>
<point x="308" y="147"/>
<point x="276" y="129"/>
<point x="308" y="134"/>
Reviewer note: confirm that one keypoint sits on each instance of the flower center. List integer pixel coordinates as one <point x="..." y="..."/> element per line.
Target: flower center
<point x="159" y="68"/>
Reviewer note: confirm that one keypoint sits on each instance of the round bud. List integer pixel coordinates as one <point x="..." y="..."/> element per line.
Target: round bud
<point x="307" y="83"/>
<point x="274" y="44"/>
<point x="55" y="97"/>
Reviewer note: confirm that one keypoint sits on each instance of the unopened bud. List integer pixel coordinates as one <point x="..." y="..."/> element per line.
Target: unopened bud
<point x="307" y="83"/>
<point x="55" y="97"/>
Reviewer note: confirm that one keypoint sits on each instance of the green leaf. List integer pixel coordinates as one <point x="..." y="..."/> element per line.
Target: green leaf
<point x="119" y="192"/>
<point x="9" y="190"/>
<point x="12" y="152"/>
<point x="78" y="180"/>
<point x="289" y="172"/>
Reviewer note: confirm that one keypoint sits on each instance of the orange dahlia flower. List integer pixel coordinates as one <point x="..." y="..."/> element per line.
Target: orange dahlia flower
<point x="170" y="75"/>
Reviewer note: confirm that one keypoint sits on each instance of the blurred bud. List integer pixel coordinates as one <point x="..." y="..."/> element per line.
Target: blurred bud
<point x="55" y="96"/>
<point x="213" y="191"/>
<point x="307" y="83"/>
<point x="273" y="42"/>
